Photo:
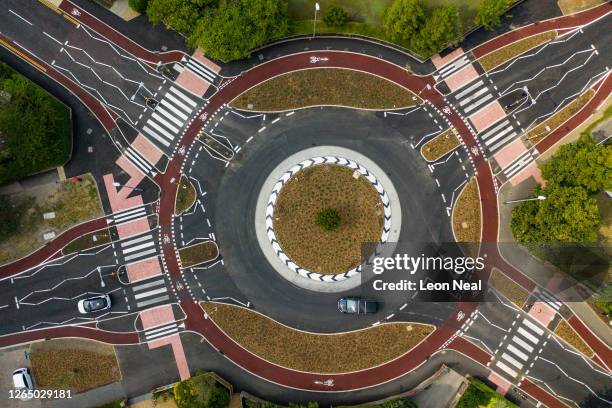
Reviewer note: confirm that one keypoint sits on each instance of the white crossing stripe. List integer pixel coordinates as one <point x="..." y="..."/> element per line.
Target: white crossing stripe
<point x="178" y="103"/>
<point x="453" y="66"/>
<point x="517" y="352"/>
<point x="549" y="299"/>
<point x="522" y="343"/>
<point x="165" y="122"/>
<point x="512" y="361"/>
<point x="518" y="165"/>
<point x="138" y="161"/>
<point x="496" y="128"/>
<point x="503" y="142"/>
<point x="135" y="240"/>
<point x="150" y="293"/>
<point x="478" y="103"/>
<point x="498" y="135"/>
<point x="161" y="331"/>
<point x="533" y="327"/>
<point x="147" y="285"/>
<point x="160" y="130"/>
<point x="200" y="69"/>
<point x="473" y="96"/>
<point x="164" y="104"/>
<point x="528" y="335"/>
<point x="163" y="111"/>
<point x="507" y="369"/>
<point x="138" y="247"/>
<point x="156" y="136"/>
<point x="127" y="215"/>
<point x="152" y="301"/>
<point x="183" y="96"/>
<point x="468" y="90"/>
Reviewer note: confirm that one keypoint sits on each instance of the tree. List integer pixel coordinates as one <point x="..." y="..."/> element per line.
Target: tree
<point x="567" y="214"/>
<point x="138" y="5"/>
<point x="179" y="15"/>
<point x="583" y="164"/>
<point x="239" y="26"/>
<point x="185" y="394"/>
<point x="442" y="28"/>
<point x="328" y="219"/>
<point x="336" y="17"/>
<point x="403" y="19"/>
<point x="10" y="217"/>
<point x="490" y="12"/>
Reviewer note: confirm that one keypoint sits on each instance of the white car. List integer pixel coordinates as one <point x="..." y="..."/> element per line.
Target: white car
<point x="94" y="304"/>
<point x="22" y="381"/>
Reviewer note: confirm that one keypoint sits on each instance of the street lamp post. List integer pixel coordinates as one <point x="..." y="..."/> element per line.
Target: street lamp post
<point x="538" y="198"/>
<point x="117" y="184"/>
<point x="314" y="26"/>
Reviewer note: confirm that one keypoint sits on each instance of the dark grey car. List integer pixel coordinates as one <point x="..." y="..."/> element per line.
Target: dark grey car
<point x="357" y="305"/>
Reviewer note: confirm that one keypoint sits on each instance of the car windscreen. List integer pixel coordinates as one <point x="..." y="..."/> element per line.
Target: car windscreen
<point x="351" y="305"/>
<point x="94" y="304"/>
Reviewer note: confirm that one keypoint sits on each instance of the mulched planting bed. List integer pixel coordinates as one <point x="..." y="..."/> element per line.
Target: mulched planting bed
<point x="507" y="287"/>
<point x="198" y="254"/>
<point x="440" y="145"/>
<point x="87" y="241"/>
<point x="567" y="333"/>
<point x="312" y="352"/>
<point x="317" y="188"/>
<point x="77" y="365"/>
<point x="535" y="135"/>
<point x="498" y="57"/>
<point x="466" y="214"/>
<point x="325" y="86"/>
<point x="185" y="196"/>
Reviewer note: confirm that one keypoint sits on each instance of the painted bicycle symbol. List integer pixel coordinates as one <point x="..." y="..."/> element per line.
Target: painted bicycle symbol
<point x="474" y="151"/>
<point x="446" y="110"/>
<point x="166" y="239"/>
<point x="314" y="60"/>
<point x="75" y="12"/>
<point x="182" y="151"/>
<point x="204" y="116"/>
<point x="460" y="315"/>
<point x="328" y="383"/>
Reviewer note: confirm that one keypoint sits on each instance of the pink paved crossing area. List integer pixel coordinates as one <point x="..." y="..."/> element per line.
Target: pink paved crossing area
<point x="156" y="316"/>
<point x="502" y="385"/>
<point x="192" y="82"/>
<point x="439" y="62"/>
<point x="487" y="116"/>
<point x="510" y="153"/>
<point x="531" y="170"/>
<point x="143" y="270"/>
<point x="118" y="199"/>
<point x="542" y="313"/>
<point x="462" y="77"/>
<point x="143" y="146"/>
<point x="199" y="55"/>
<point x="133" y="227"/>
<point x="179" y="353"/>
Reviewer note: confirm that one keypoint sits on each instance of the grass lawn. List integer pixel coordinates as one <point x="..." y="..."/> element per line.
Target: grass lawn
<point x="185" y="196"/>
<point x="317" y="188"/>
<point x="325" y="86"/>
<point x="440" y="145"/>
<point x="567" y="333"/>
<point x="466" y="214"/>
<point x="77" y="365"/>
<point x="478" y="394"/>
<point x="365" y="16"/>
<point x="87" y="241"/>
<point x="501" y="55"/>
<point x="198" y="254"/>
<point x="58" y="198"/>
<point x="574" y="6"/>
<point x="36" y="128"/>
<point x="509" y="288"/>
<point x="321" y="353"/>
<point x="539" y="132"/>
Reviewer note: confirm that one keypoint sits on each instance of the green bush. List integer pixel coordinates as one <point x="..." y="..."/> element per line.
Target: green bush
<point x="36" y="128"/>
<point x="10" y="217"/>
<point x="336" y="17"/>
<point x="403" y="19"/>
<point x="200" y="391"/>
<point x="491" y="11"/>
<point x="328" y="219"/>
<point x="442" y="27"/>
<point x="138" y="5"/>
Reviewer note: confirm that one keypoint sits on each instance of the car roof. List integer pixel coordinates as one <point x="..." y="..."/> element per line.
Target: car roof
<point x="19" y="379"/>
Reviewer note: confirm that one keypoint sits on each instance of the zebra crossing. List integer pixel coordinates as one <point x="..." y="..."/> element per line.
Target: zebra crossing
<point x="546" y="297"/>
<point x="517" y="165"/>
<point x="169" y="117"/>
<point x="137" y="248"/>
<point x="162" y="331"/>
<point x="200" y="69"/>
<point x="497" y="136"/>
<point x="524" y="345"/>
<point x="131" y="214"/>
<point x="472" y="97"/>
<point x="150" y="292"/>
<point x="139" y="161"/>
<point x="452" y="67"/>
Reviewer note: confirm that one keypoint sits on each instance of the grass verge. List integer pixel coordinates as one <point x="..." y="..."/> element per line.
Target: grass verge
<point x="313" y="190"/>
<point x="198" y="254"/>
<point x="574" y="6"/>
<point x="538" y="133"/>
<point x="567" y="333"/>
<point x="29" y="207"/>
<point x="440" y="145"/>
<point x="311" y="352"/>
<point x="324" y="86"/>
<point x="185" y="196"/>
<point x="87" y="241"/>
<point x="509" y="288"/>
<point x="478" y="394"/>
<point x="499" y="56"/>
<point x="466" y="215"/>
<point x="78" y="365"/>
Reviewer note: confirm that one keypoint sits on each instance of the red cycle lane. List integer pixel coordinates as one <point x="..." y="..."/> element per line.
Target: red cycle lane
<point x="69" y="331"/>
